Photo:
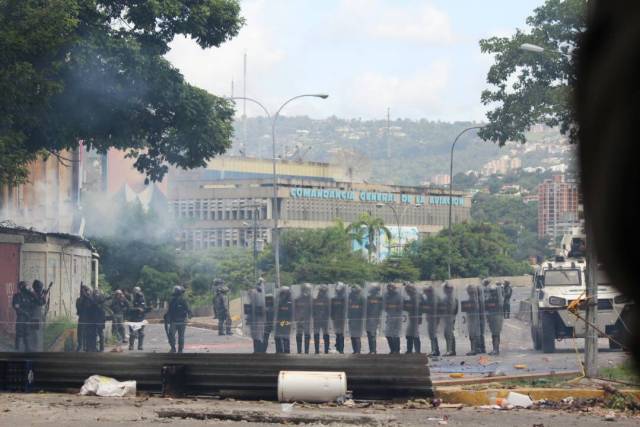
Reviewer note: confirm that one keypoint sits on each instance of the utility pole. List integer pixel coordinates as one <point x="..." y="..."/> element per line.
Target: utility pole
<point x="591" y="315"/>
<point x="388" y="133"/>
<point x="244" y="105"/>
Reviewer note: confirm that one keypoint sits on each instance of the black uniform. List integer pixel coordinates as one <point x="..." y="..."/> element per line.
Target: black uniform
<point x="97" y="320"/>
<point x="507" y="292"/>
<point x="339" y="315"/>
<point x="284" y="319"/>
<point x="221" y="308"/>
<point x="83" y="310"/>
<point x="449" y="312"/>
<point x="23" y="302"/>
<point x="412" y="306"/>
<point x="393" y="318"/>
<point x="177" y="315"/>
<point x="355" y="314"/>
<point x="268" y="326"/>
<point x="137" y="313"/>
<point x="36" y="332"/>
<point x="373" y="315"/>
<point x="431" y="308"/>
<point x="303" y="312"/>
<point x="321" y="312"/>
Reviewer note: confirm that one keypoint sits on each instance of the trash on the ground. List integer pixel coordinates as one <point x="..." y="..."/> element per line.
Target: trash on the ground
<point x="451" y="406"/>
<point x="483" y="360"/>
<point x="519" y="400"/>
<point x="436" y="402"/>
<point x="520" y="366"/>
<point x="97" y="385"/>
<point x="287" y="407"/>
<point x="568" y="400"/>
<point x="456" y="375"/>
<point x="611" y="416"/>
<point x="349" y="403"/>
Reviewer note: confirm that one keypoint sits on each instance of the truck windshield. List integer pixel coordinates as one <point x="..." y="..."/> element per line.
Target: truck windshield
<point x="562" y="278"/>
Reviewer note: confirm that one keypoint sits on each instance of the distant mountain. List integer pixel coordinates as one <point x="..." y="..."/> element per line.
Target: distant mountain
<point x="401" y="151"/>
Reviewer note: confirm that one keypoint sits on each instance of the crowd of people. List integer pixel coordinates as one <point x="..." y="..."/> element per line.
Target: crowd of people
<point x="397" y="311"/>
<point x="303" y="311"/>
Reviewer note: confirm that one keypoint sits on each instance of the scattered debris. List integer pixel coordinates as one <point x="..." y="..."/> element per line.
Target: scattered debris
<point x="456" y="375"/>
<point x="275" y="418"/>
<point x="287" y="407"/>
<point x="520" y="366"/>
<point x="97" y="385"/>
<point x="611" y="416"/>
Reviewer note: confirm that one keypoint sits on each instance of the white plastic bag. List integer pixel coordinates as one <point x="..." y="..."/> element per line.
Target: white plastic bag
<point x="97" y="385"/>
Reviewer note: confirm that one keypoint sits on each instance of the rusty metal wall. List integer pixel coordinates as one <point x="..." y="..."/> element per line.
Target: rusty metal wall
<point x="9" y="274"/>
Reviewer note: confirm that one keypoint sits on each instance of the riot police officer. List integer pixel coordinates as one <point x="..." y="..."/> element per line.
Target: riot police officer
<point x="284" y="318"/>
<point x="257" y="316"/>
<point x="339" y="314"/>
<point x="303" y="311"/>
<point x="373" y="314"/>
<point x="414" y="318"/>
<point x="137" y="314"/>
<point x="40" y="296"/>
<point x="507" y="291"/>
<point x="177" y="316"/>
<point x="355" y="314"/>
<point x="449" y="312"/>
<point x="23" y="302"/>
<point x="270" y="316"/>
<point x="321" y="310"/>
<point x="471" y="309"/>
<point x="221" y="304"/>
<point x="495" y="316"/>
<point x="431" y="307"/>
<point x="393" y="317"/>
<point x="119" y="308"/>
<point x="483" y="313"/>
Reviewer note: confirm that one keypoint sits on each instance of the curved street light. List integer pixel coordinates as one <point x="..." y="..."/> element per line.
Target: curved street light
<point x="276" y="213"/>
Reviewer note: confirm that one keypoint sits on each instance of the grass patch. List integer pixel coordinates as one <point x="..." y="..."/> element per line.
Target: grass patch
<point x="548" y="382"/>
<point x="54" y="329"/>
<point x="626" y="372"/>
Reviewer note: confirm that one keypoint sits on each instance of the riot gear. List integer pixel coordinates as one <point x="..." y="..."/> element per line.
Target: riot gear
<point x="495" y="316"/>
<point x="283" y="320"/>
<point x="373" y="314"/>
<point x="414" y="318"/>
<point x="256" y="315"/>
<point x="507" y="291"/>
<point x="471" y="310"/>
<point x="339" y="314"/>
<point x="449" y="312"/>
<point x="393" y="317"/>
<point x="22" y="302"/>
<point x="431" y="308"/>
<point x="355" y="313"/>
<point x="137" y="314"/>
<point x="321" y="314"/>
<point x="221" y="308"/>
<point x="177" y="316"/>
<point x="303" y="311"/>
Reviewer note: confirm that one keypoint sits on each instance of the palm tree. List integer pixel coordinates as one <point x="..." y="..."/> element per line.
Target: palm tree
<point x="368" y="228"/>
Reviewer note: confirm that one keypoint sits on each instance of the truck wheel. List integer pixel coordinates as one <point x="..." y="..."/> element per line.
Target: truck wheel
<point x="535" y="337"/>
<point x="548" y="333"/>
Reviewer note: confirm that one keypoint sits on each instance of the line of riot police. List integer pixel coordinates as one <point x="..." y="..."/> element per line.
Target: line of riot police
<point x="329" y="313"/>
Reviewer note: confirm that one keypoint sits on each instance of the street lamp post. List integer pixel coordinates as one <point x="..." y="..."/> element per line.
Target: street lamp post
<point x="395" y="213"/>
<point x="451" y="196"/>
<point x="255" y="237"/>
<point x="276" y="214"/>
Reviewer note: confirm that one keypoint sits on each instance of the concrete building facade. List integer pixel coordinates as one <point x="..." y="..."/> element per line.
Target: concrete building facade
<point x="558" y="207"/>
<point x="230" y="201"/>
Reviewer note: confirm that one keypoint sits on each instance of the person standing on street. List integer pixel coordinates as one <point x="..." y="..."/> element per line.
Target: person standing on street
<point x="373" y="314"/>
<point x="471" y="309"/>
<point x="355" y="313"/>
<point x="137" y="313"/>
<point x="414" y="318"/>
<point x="339" y="315"/>
<point x="494" y="304"/>
<point x="321" y="304"/>
<point x="23" y="302"/>
<point x="431" y="308"/>
<point x="257" y="316"/>
<point x="40" y="296"/>
<point x="177" y="317"/>
<point x="393" y="317"/>
<point x="303" y="312"/>
<point x="507" y="292"/>
<point x="449" y="311"/>
<point x="284" y="319"/>
<point x="119" y="308"/>
<point x="83" y="310"/>
<point x="221" y="308"/>
<point x="98" y="320"/>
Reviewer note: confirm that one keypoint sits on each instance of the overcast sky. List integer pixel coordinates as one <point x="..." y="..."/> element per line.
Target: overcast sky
<point x="420" y="58"/>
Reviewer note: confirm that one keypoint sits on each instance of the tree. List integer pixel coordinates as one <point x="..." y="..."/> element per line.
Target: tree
<point x="367" y="230"/>
<point x="93" y="70"/>
<point x="531" y="88"/>
<point x="478" y="250"/>
<point x="398" y="269"/>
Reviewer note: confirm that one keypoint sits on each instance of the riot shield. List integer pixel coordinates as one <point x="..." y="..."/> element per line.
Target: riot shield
<point x="494" y="306"/>
<point x="269" y="300"/>
<point x="339" y="297"/>
<point x="393" y="316"/>
<point x="321" y="317"/>
<point x="470" y="316"/>
<point x="303" y="315"/>
<point x="373" y="314"/>
<point x="356" y="307"/>
<point x="283" y="319"/>
<point x="411" y="307"/>
<point x="448" y="311"/>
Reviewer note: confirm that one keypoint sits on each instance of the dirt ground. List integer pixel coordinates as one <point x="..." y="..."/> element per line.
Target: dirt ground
<point x="48" y="409"/>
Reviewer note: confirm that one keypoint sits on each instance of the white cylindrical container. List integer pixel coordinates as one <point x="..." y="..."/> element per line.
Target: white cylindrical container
<point x="309" y="386"/>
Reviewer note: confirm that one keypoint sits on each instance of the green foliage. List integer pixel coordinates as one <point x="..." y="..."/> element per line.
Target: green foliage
<point x="530" y="88"/>
<point x="477" y="250"/>
<point x="94" y="70"/>
<point x="398" y="269"/>
<point x="53" y="330"/>
<point x="157" y="284"/>
<point x="233" y="265"/>
<point x="367" y="229"/>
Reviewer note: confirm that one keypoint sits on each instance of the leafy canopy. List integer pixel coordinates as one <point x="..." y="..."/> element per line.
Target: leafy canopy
<point x="93" y="70"/>
<point x="530" y="88"/>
